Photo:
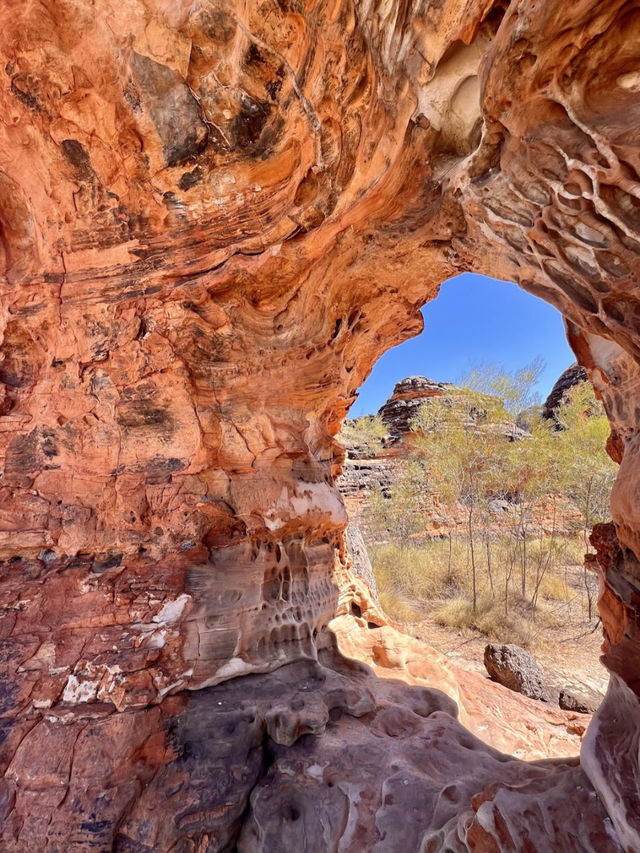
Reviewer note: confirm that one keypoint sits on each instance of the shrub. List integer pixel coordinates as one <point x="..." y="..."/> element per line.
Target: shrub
<point x="399" y="609"/>
<point x="489" y="619"/>
<point x="554" y="588"/>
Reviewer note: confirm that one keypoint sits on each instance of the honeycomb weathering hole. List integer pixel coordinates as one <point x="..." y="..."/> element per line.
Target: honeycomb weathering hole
<point x="213" y="220"/>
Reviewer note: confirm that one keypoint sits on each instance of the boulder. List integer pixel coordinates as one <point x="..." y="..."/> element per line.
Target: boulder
<point x="582" y="699"/>
<point x="515" y="668"/>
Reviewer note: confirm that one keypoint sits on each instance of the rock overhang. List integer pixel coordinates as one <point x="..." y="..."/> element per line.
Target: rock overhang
<point x="213" y="220"/>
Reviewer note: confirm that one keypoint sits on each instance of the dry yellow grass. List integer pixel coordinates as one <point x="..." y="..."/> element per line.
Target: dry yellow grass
<point x="489" y="619"/>
<point x="414" y="579"/>
<point x="399" y="609"/>
<point x="554" y="588"/>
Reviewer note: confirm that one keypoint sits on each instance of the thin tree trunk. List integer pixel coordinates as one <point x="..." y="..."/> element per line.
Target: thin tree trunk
<point x="541" y="571"/>
<point x="488" y="546"/>
<point x="473" y="561"/>
<point x="587" y="513"/>
<point x="507" y="578"/>
<point x="589" y="598"/>
<point x="523" y="533"/>
<point x="506" y="595"/>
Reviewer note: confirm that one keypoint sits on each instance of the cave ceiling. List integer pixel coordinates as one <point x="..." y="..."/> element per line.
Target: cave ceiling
<point x="214" y="217"/>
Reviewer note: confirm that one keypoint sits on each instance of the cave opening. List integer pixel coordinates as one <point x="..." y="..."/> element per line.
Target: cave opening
<point x="215" y="217"/>
<point x="475" y="470"/>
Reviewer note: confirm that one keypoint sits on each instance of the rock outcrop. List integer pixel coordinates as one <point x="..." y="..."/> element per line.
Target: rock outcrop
<point x="360" y="564"/>
<point x="571" y="377"/>
<point x="515" y="668"/>
<point x="214" y="217"/>
<point x="409" y="395"/>
<point x="407" y="398"/>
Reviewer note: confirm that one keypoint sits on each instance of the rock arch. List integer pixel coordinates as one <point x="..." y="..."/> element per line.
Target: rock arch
<point x="213" y="218"/>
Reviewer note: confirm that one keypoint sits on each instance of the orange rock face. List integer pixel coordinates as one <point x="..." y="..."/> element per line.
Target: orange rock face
<point x="213" y="218"/>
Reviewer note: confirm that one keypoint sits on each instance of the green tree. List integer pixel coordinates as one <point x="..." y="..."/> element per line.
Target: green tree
<point x="365" y="434"/>
<point x="514" y="388"/>
<point x="462" y="459"/>
<point x="587" y="472"/>
<point x="529" y="474"/>
<point x="399" y="513"/>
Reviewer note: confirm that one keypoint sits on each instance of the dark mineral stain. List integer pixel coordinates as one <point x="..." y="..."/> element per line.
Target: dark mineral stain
<point x="82" y="560"/>
<point x="49" y="448"/>
<point x="77" y="155"/>
<point x="106" y="561"/>
<point x="132" y="97"/>
<point x="53" y="278"/>
<point x="190" y="179"/>
<point x="9" y="695"/>
<point x="20" y="88"/>
<point x="295" y="6"/>
<point x="220" y="28"/>
<point x="273" y="86"/>
<point x="253" y="56"/>
<point x="21" y="454"/>
<point x="139" y="407"/>
<point x="249" y="123"/>
<point x="187" y="143"/>
<point x="269" y="138"/>
<point x="21" y="357"/>
<point x="144" y="415"/>
<point x="159" y="470"/>
<point x="173" y="109"/>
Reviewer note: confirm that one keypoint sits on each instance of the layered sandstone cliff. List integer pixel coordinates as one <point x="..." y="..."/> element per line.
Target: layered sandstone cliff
<point x="214" y="217"/>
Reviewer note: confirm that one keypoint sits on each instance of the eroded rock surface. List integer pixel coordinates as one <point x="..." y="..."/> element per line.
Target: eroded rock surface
<point x="405" y="402"/>
<point x="571" y="377"/>
<point x="515" y="668"/>
<point x="360" y="564"/>
<point x="213" y="219"/>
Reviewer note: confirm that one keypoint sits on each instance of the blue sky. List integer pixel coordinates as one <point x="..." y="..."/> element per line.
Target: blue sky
<point x="473" y="320"/>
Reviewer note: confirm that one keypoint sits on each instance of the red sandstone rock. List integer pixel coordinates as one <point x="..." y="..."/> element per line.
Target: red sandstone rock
<point x="213" y="219"/>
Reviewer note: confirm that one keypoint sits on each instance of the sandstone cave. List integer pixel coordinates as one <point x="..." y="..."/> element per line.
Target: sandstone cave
<point x="214" y="218"/>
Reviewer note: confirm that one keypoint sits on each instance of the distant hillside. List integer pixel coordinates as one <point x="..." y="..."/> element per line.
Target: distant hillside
<point x="404" y="404"/>
<point x="375" y="462"/>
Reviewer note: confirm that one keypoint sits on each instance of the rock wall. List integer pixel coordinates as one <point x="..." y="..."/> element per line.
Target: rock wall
<point x="214" y="217"/>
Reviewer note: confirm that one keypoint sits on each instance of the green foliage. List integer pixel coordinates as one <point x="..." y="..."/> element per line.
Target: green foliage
<point x="513" y="388"/>
<point x="463" y="458"/>
<point x="467" y="458"/>
<point x="586" y="471"/>
<point x="400" y="515"/>
<point x="366" y="432"/>
<point x="458" y="455"/>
